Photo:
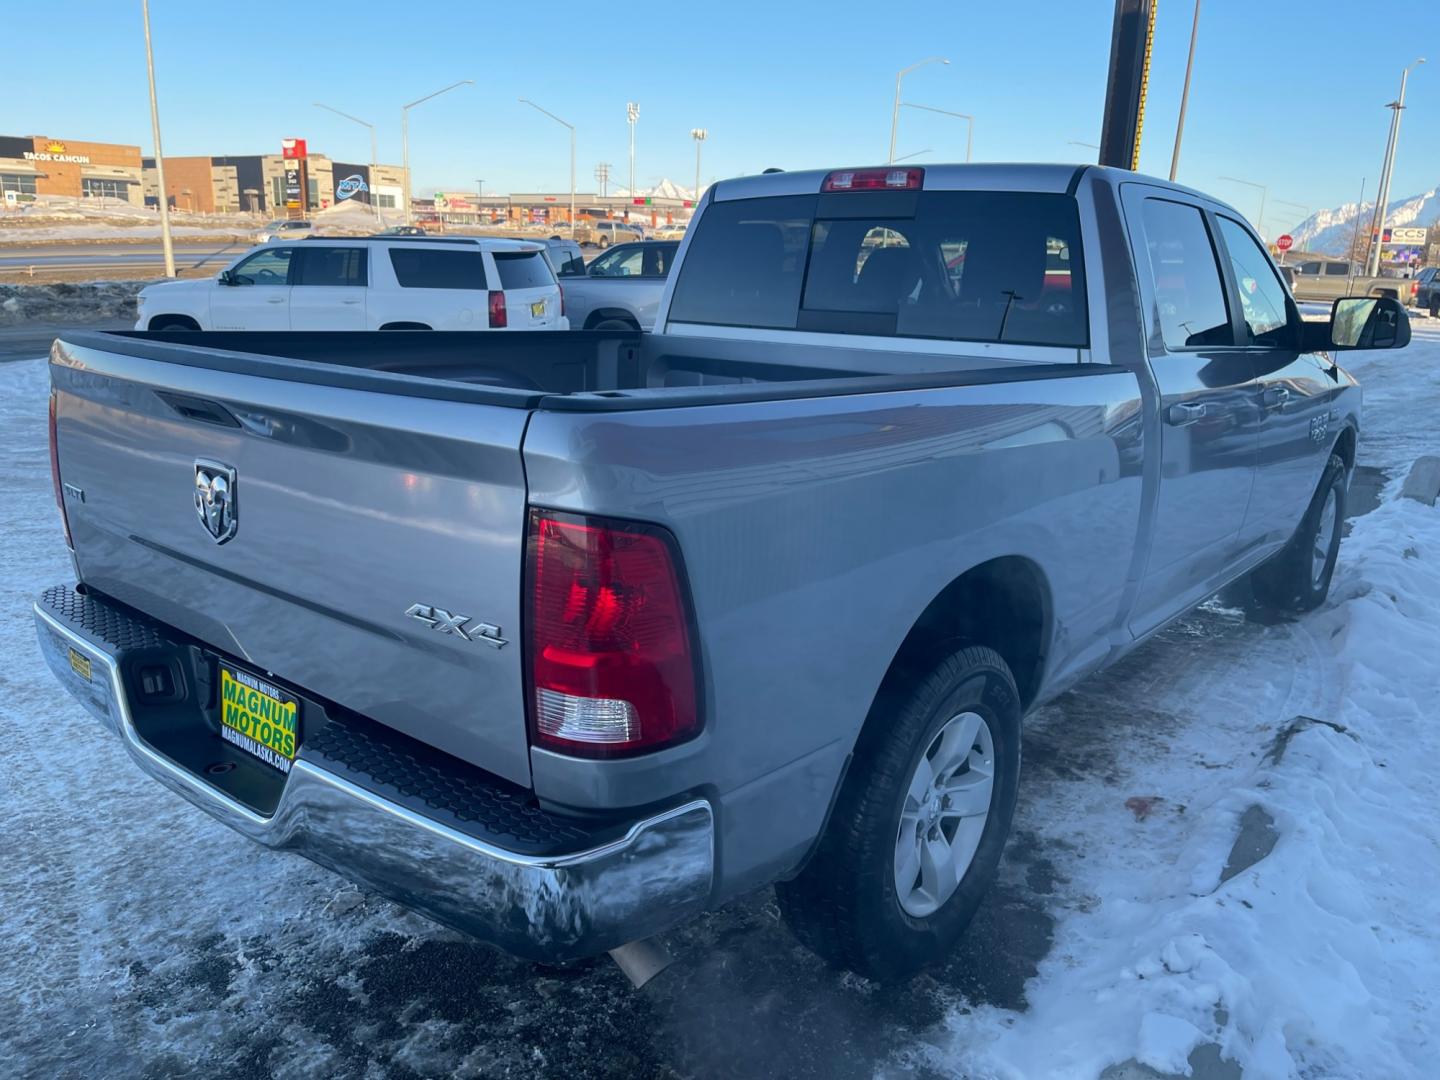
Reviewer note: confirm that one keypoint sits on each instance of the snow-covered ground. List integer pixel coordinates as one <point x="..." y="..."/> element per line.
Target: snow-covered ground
<point x="141" y="938"/>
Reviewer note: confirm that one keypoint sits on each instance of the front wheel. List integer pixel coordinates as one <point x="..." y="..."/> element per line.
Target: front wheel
<point x="1298" y="579"/>
<point x="916" y="834"/>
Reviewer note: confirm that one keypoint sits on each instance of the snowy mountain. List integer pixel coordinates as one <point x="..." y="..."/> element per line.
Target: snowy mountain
<point x="665" y="189"/>
<point x="1329" y="231"/>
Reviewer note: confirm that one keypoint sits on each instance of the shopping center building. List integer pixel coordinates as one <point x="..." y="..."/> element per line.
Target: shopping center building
<point x="32" y="165"/>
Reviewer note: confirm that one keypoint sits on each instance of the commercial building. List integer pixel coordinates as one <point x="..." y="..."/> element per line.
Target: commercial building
<point x="533" y="208"/>
<point x="255" y="183"/>
<point x="32" y="165"/>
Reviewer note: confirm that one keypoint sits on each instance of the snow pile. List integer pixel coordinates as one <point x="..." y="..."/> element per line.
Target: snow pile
<point x="61" y="218"/>
<point x="68" y="302"/>
<point x="1322" y="958"/>
<point x="354" y="217"/>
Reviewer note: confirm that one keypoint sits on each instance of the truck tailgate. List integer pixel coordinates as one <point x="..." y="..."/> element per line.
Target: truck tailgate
<point x="352" y="507"/>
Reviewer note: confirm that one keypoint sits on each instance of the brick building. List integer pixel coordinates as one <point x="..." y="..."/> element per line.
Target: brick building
<point x="32" y="165"/>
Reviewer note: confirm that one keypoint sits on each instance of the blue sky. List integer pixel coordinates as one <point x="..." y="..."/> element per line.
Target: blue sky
<point x="1285" y="93"/>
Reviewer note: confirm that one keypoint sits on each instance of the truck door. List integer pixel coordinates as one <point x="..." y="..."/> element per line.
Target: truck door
<point x="328" y="288"/>
<point x="259" y="299"/>
<point x="1293" y="393"/>
<point x="1209" y="413"/>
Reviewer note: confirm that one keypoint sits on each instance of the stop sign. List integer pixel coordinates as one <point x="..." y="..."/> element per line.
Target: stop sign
<point x="1285" y="241"/>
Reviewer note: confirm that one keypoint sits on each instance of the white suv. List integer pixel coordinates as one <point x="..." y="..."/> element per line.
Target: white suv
<point x="367" y="283"/>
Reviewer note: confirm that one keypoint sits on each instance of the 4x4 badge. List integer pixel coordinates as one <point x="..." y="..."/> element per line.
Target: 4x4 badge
<point x="459" y="625"/>
<point x="215" y="499"/>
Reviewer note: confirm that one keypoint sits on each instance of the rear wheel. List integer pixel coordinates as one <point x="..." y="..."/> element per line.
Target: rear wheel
<point x="1298" y="579"/>
<point x="916" y="834"/>
<point x="162" y="323"/>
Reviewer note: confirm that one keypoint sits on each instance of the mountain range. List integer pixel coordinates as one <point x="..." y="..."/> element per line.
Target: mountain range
<point x="1329" y="232"/>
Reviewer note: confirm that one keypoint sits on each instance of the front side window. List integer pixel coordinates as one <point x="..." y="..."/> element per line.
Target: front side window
<point x="331" y="266"/>
<point x="268" y="267"/>
<point x="1337" y="269"/>
<point x="1188" y="289"/>
<point x="430" y="268"/>
<point x="1261" y="297"/>
<point x="523" y="270"/>
<point x="621" y="262"/>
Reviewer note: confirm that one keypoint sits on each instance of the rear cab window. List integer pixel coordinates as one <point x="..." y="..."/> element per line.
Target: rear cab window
<point x="523" y="270"/>
<point x="435" y="268"/>
<point x="331" y="266"/>
<point x="941" y="265"/>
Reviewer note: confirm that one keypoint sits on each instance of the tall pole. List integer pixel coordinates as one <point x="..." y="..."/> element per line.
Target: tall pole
<point x="547" y="112"/>
<point x="1185" y="94"/>
<point x="1383" y="195"/>
<point x="1264" y="191"/>
<point x="405" y="135"/>
<point x="895" y="112"/>
<point x="632" y="114"/>
<point x="165" y="241"/>
<point x="969" y="127"/>
<point x="374" y="155"/>
<point x="699" y="135"/>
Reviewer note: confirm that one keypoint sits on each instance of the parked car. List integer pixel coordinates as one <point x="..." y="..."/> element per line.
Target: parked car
<point x="621" y="289"/>
<point x="564" y="638"/>
<point x="366" y="283"/>
<point x="1427" y="291"/>
<point x="1320" y="280"/>
<point x="566" y="258"/>
<point x="1287" y="275"/>
<point x="284" y="229"/>
<point x="402" y="230"/>
<point x="603" y="234"/>
<point x="673" y="231"/>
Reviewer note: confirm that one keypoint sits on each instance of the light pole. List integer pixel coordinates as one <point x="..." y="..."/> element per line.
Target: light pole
<point x="632" y="114"/>
<point x="479" y="200"/>
<point x="1377" y="229"/>
<point x="374" y="206"/>
<point x="969" y="126"/>
<point x="405" y="134"/>
<point x="895" y="112"/>
<point x="166" y="243"/>
<point x="1259" y="221"/>
<point x="699" y="135"/>
<point x="547" y="112"/>
<point x="907" y="157"/>
<point x="1185" y="94"/>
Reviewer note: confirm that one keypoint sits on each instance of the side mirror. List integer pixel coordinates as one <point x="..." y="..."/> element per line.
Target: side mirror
<point x="1361" y="322"/>
<point x="226" y="277"/>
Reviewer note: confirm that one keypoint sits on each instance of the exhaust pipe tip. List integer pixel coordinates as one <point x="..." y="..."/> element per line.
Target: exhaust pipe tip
<point x="641" y="960"/>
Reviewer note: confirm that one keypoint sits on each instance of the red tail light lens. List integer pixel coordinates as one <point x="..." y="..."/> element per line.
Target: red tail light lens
<point x="498" y="317"/>
<point x="611" y="662"/>
<point x="890" y="179"/>
<point x="55" y="473"/>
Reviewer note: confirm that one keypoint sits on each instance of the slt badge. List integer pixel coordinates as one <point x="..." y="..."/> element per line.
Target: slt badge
<point x="215" y="499"/>
<point x="459" y="625"/>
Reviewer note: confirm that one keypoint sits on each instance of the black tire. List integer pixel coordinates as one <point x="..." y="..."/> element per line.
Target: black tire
<point x="172" y="323"/>
<point x="1289" y="581"/>
<point x="1434" y="306"/>
<point x="845" y="905"/>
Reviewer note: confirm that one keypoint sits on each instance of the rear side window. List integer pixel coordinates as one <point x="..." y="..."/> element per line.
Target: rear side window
<point x="523" y="270"/>
<point x="947" y="265"/>
<point x="567" y="263"/>
<point x="331" y="266"/>
<point x="1337" y="269"/>
<point x="432" y="268"/>
<point x="1258" y="291"/>
<point x="1188" y="291"/>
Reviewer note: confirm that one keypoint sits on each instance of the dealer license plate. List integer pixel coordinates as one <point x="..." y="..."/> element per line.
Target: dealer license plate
<point x="259" y="718"/>
<point x="537" y="309"/>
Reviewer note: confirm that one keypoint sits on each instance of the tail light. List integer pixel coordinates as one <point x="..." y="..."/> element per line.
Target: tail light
<point x="612" y="668"/>
<point x="498" y="317"/>
<point x="890" y="179"/>
<point x="55" y="473"/>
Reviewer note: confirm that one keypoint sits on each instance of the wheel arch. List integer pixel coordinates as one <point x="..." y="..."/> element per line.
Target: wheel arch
<point x="402" y="325"/>
<point x="1345" y="445"/>
<point x="600" y="315"/>
<point x="156" y="321"/>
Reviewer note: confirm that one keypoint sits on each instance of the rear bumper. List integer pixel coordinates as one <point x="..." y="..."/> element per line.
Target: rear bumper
<point x="552" y="907"/>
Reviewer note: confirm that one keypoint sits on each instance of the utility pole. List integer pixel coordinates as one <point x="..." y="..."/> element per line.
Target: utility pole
<point x="895" y="110"/>
<point x="632" y="113"/>
<point x="405" y="136"/>
<point x="602" y="176"/>
<point x="1185" y="94"/>
<point x="166" y="244"/>
<point x="374" y="205"/>
<point x="479" y="200"/>
<point x="1124" y="117"/>
<point x="1377" y="229"/>
<point x="563" y="123"/>
<point x="699" y="135"/>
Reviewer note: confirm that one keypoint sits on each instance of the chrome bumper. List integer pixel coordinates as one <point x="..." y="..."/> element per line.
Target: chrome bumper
<point x="551" y="908"/>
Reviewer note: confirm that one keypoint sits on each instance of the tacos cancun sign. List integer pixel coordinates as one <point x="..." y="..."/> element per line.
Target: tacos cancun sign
<point x="55" y="151"/>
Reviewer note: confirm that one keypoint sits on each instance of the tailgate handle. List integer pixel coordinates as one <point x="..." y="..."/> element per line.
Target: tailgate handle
<point x="202" y="409"/>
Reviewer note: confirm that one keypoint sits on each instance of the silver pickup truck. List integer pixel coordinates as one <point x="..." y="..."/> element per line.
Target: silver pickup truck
<point x="562" y="638"/>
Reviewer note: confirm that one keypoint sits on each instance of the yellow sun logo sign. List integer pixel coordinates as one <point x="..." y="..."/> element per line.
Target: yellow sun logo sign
<point x="55" y="148"/>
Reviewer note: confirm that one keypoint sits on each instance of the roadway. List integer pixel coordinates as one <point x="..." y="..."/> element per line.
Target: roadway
<point x="101" y="255"/>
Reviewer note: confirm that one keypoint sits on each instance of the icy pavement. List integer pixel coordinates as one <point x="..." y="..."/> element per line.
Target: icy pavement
<point x="140" y="938"/>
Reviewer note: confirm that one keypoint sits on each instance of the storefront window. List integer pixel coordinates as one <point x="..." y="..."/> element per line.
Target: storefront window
<point x="108" y="189"/>
<point x="385" y="202"/>
<point x="22" y="183"/>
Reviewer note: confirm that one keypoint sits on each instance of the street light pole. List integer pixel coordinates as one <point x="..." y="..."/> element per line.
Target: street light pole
<point x="1259" y="221"/>
<point x="405" y="135"/>
<point x="547" y="112"/>
<point x="895" y="112"/>
<point x="166" y="244"/>
<point x="374" y="206"/>
<point x="1377" y="230"/>
<point x="1185" y="94"/>
<point x="632" y="114"/>
<point x="969" y="126"/>
<point x="699" y="135"/>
